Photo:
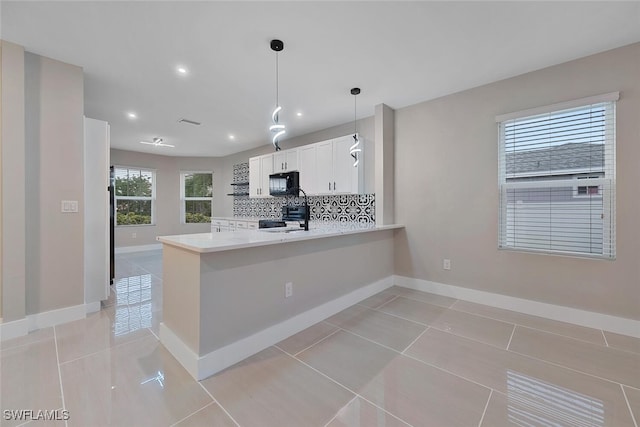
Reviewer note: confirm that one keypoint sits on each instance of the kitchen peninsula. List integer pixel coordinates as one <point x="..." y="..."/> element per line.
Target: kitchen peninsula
<point x="224" y="293"/>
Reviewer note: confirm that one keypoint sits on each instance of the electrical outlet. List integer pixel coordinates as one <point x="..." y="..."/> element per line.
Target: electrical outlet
<point x="288" y="289"/>
<point x="446" y="264"/>
<point x="134" y="235"/>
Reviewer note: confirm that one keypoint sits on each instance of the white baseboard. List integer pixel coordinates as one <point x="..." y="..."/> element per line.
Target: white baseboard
<point x="211" y="363"/>
<point x="183" y="354"/>
<point x="560" y="313"/>
<point x="140" y="248"/>
<point x="56" y="317"/>
<point x="92" y="307"/>
<point x="13" y="329"/>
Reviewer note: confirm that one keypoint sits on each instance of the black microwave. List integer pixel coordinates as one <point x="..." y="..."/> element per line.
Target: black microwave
<point x="284" y="184"/>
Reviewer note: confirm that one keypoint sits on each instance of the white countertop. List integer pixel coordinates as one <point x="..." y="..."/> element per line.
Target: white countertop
<point x="228" y="240"/>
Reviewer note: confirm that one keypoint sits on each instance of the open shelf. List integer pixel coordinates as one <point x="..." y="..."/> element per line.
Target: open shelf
<point x="237" y="194"/>
<point x="240" y="183"/>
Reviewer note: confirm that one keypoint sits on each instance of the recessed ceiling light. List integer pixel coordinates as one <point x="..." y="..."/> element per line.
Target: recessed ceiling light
<point x="132" y="115"/>
<point x="232" y="137"/>
<point x="182" y="70"/>
<point x="299" y="114"/>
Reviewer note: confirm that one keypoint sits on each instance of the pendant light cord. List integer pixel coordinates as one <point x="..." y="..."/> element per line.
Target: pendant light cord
<point x="277" y="81"/>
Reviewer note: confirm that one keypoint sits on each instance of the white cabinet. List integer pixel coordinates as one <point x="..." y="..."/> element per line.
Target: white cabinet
<point x="285" y="160"/>
<point x="346" y="177"/>
<point x="308" y="170"/>
<point x="259" y="170"/>
<point x="96" y="211"/>
<point x="224" y="224"/>
<point x="327" y="168"/>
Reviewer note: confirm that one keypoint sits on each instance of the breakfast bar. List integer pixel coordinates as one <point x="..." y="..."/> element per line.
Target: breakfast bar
<point x="229" y="295"/>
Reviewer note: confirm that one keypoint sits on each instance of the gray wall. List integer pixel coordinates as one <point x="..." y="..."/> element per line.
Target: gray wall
<point x="12" y="169"/>
<point x="365" y="129"/>
<point x="167" y="209"/>
<point x="54" y="107"/>
<point x="446" y="189"/>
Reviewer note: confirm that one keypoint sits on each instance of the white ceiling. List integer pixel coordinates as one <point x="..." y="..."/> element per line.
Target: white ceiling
<point x="399" y="53"/>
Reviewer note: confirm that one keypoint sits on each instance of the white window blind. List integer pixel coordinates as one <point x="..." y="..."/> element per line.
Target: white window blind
<point x="557" y="179"/>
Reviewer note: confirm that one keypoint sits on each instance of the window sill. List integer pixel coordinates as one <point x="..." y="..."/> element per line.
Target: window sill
<point x="559" y="254"/>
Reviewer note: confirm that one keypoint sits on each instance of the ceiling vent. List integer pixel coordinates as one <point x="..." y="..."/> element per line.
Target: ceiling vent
<point x="189" y="122"/>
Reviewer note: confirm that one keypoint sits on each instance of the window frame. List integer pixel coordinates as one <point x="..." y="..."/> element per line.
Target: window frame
<point x="184" y="198"/>
<point x="607" y="183"/>
<point x="142" y="198"/>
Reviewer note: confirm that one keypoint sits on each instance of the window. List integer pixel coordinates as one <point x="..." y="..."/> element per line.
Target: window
<point x="135" y="194"/>
<point x="197" y="196"/>
<point x="557" y="178"/>
<point x="588" y="190"/>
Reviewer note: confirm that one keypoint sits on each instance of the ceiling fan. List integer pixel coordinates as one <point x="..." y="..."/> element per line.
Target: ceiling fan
<point x="158" y="143"/>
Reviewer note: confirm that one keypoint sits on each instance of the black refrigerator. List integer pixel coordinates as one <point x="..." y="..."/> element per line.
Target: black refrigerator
<point x="112" y="224"/>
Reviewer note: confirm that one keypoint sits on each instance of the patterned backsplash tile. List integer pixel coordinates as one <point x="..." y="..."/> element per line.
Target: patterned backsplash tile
<point x="342" y="208"/>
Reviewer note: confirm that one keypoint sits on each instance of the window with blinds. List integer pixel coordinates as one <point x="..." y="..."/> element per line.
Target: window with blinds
<point x="557" y="178"/>
<point x="135" y="194"/>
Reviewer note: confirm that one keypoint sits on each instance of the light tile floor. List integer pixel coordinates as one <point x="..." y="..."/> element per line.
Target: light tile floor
<point x="399" y="358"/>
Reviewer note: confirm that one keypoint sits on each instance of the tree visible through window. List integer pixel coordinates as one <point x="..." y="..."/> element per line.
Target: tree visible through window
<point x="134" y="194"/>
<point x="197" y="196"/>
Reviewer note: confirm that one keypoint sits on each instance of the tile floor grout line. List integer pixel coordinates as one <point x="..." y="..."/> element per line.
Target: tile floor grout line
<point x="605" y="338"/>
<point x="427" y="302"/>
<point x="218" y="403"/>
<point x="338" y="411"/>
<point x="571" y="369"/>
<point x="317" y="342"/>
<point x="321" y="373"/>
<point x="193" y="413"/>
<point x="384" y="410"/>
<point x="568" y="337"/>
<point x="447" y="371"/>
<point x="414" y="341"/>
<point x="513" y="331"/>
<point x="370" y="340"/>
<point x="633" y="417"/>
<point x="533" y="327"/>
<point x="485" y="408"/>
<point x="104" y="349"/>
<point x="394" y="315"/>
<point x="402" y="318"/>
<point x="346" y="388"/>
<point x="64" y="406"/>
<point x="395" y="297"/>
<point x="418" y="360"/>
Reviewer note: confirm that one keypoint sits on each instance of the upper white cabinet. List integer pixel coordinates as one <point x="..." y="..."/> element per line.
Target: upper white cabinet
<point x="327" y="168"/>
<point x="259" y="170"/>
<point x="285" y="160"/>
<point x="346" y="177"/>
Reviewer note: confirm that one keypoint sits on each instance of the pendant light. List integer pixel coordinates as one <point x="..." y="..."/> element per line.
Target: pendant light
<point x="277" y="129"/>
<point x="355" y="149"/>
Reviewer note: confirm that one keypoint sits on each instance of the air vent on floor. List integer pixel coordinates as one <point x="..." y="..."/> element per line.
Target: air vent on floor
<point x="190" y="122"/>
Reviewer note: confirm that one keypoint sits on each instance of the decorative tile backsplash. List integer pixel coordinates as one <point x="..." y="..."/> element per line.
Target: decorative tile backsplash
<point x="341" y="208"/>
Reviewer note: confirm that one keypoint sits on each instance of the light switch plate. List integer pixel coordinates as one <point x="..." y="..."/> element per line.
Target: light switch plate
<point x="69" y="206"/>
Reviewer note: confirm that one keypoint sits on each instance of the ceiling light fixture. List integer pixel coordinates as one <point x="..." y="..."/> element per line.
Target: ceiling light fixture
<point x="157" y="142"/>
<point x="182" y="70"/>
<point x="277" y="129"/>
<point x="132" y="115"/>
<point x="299" y="114"/>
<point x="232" y="137"/>
<point x="354" y="149"/>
